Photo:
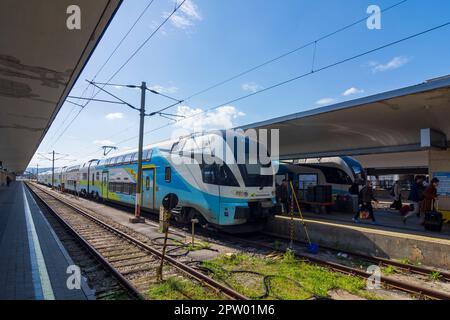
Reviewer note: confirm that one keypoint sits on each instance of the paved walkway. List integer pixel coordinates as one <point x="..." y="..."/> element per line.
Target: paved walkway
<point x="33" y="262"/>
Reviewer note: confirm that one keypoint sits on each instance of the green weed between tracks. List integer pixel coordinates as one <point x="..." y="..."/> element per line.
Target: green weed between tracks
<point x="289" y="277"/>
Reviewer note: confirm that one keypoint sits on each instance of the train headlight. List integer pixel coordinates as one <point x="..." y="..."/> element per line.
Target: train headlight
<point x="242" y="193"/>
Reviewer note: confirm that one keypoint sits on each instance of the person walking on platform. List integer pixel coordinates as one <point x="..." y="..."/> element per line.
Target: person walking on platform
<point x="8" y="181"/>
<point x="429" y="198"/>
<point x="397" y="194"/>
<point x="366" y="198"/>
<point x="415" y="197"/>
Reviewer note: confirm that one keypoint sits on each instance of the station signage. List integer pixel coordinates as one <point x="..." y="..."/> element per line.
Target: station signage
<point x="444" y="183"/>
<point x="431" y="138"/>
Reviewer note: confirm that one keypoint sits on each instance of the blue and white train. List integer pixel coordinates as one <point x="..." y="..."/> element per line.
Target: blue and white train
<point x="221" y="193"/>
<point x="338" y="172"/>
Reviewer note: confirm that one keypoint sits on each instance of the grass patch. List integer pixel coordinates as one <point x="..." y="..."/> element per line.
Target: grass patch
<point x="198" y="246"/>
<point x="389" y="270"/>
<point x="175" y="288"/>
<point x="435" y="275"/>
<point x="291" y="278"/>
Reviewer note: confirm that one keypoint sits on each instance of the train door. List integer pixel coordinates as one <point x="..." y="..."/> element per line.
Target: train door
<point x="149" y="188"/>
<point x="105" y="179"/>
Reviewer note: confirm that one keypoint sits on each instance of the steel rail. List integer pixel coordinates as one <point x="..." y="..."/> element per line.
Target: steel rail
<point x="389" y="281"/>
<point x="175" y="263"/>
<point x="127" y="285"/>
<point x="379" y="260"/>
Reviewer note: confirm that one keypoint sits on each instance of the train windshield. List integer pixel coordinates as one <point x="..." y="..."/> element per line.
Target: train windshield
<point x="253" y="174"/>
<point x="233" y="151"/>
<point x="253" y="177"/>
<point x="356" y="168"/>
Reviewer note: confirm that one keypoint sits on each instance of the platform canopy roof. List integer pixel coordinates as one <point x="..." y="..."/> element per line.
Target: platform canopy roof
<point x="388" y="122"/>
<point x="40" y="60"/>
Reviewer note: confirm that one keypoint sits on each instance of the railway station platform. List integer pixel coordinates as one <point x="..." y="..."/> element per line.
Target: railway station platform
<point x="389" y="238"/>
<point x="33" y="262"/>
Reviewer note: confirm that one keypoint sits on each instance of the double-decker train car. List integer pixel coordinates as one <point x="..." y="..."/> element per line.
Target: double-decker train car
<point x="223" y="193"/>
<point x="339" y="172"/>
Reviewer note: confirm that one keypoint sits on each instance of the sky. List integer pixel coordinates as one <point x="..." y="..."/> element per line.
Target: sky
<point x="208" y="41"/>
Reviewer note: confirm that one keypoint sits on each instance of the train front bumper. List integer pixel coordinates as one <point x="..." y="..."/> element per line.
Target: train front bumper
<point x="256" y="211"/>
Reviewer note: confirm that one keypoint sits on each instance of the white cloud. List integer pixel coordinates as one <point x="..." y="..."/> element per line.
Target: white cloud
<point x="251" y="87"/>
<point x="114" y="116"/>
<point x="351" y="91"/>
<point x="104" y="142"/>
<point x="162" y="89"/>
<point x="221" y="118"/>
<point x="190" y="9"/>
<point x="325" y="101"/>
<point x="395" y="63"/>
<point x="185" y="16"/>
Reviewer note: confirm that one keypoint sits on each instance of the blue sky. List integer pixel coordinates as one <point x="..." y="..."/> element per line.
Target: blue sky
<point x="211" y="40"/>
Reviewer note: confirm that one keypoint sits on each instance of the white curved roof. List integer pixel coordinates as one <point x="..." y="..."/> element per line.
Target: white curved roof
<point x="40" y="60"/>
<point x="382" y="123"/>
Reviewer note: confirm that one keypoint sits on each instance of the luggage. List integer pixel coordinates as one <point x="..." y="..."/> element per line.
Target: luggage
<point x="323" y="194"/>
<point x="364" y="212"/>
<point x="433" y="220"/>
<point x="404" y="210"/>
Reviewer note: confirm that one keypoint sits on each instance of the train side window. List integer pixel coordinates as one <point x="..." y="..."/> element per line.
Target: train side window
<point x="134" y="157"/>
<point x="98" y="176"/>
<point x="148" y="155"/>
<point x="147" y="183"/>
<point x="168" y="174"/>
<point x="127" y="158"/>
<point x="208" y="173"/>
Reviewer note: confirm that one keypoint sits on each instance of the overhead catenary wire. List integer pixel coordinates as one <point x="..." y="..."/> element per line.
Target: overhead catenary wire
<point x="297" y="78"/>
<point x="314" y="42"/>
<point x="176" y="7"/>
<point x="103" y="65"/>
<point x="126" y="62"/>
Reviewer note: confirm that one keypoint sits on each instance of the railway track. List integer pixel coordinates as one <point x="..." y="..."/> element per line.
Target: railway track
<point x="129" y="259"/>
<point x="100" y="279"/>
<point x="414" y="269"/>
<point x="267" y="242"/>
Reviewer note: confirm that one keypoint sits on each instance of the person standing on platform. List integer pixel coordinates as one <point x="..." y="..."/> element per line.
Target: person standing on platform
<point x="397" y="194"/>
<point x="8" y="181"/>
<point x="415" y="197"/>
<point x="366" y="198"/>
<point x="429" y="197"/>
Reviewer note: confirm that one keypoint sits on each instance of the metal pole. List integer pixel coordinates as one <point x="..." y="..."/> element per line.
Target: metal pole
<point x="37" y="172"/>
<point x="159" y="271"/>
<point x="137" y="210"/>
<point x="53" y="169"/>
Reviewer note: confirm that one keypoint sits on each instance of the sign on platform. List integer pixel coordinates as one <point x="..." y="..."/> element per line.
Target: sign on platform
<point x="444" y="183"/>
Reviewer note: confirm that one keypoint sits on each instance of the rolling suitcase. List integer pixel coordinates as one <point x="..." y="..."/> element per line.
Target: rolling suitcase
<point x="433" y="220"/>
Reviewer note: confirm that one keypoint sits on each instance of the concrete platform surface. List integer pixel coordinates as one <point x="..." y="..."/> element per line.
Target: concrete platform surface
<point x="367" y="239"/>
<point x="33" y="262"/>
